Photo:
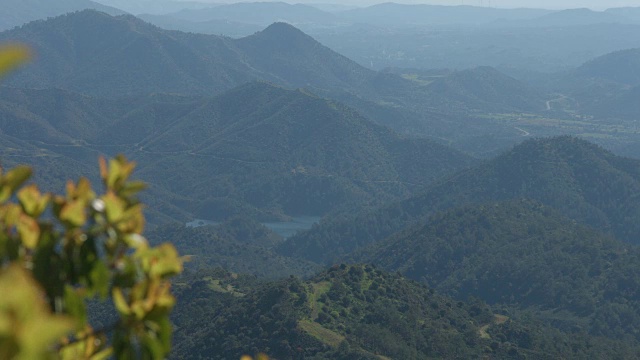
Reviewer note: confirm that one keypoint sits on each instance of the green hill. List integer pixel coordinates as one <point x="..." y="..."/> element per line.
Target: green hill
<point x="582" y="180"/>
<point x="255" y="147"/>
<point x="484" y="88"/>
<point x="286" y="151"/>
<point x="357" y="312"/>
<point x="525" y="255"/>
<point x="621" y="67"/>
<point x="621" y="104"/>
<point x="239" y="244"/>
<point x="124" y="55"/>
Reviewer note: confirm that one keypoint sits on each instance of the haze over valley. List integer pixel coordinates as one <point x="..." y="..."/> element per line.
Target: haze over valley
<point x="356" y="180"/>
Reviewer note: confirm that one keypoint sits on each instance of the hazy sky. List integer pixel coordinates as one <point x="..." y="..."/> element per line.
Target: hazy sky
<point x="548" y="4"/>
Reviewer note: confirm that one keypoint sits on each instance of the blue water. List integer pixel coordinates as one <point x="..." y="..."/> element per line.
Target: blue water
<point x="283" y="228"/>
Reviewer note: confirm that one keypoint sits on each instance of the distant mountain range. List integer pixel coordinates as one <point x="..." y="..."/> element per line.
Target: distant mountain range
<point x="127" y="56"/>
<point x="582" y="180"/>
<point x="18" y="12"/>
<point x="259" y="13"/>
<point x="413" y="15"/>
<point x="157" y="7"/>
<point x="577" y="17"/>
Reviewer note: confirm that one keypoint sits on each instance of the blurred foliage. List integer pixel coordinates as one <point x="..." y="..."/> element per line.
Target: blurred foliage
<point x="58" y="251"/>
<point x="12" y="56"/>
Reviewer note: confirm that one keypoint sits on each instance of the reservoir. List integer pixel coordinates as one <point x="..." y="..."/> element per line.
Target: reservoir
<point x="283" y="228"/>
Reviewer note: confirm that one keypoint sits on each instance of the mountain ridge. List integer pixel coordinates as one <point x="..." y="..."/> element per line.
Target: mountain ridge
<point x="577" y="177"/>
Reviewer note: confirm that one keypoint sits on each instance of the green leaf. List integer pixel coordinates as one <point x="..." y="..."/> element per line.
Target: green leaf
<point x="100" y="279"/>
<point x="75" y="306"/>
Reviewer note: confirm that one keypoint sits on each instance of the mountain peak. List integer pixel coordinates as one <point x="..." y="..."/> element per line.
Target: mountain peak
<point x="283" y="32"/>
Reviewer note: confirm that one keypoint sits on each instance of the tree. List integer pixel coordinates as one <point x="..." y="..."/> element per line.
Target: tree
<point x="58" y="251"/>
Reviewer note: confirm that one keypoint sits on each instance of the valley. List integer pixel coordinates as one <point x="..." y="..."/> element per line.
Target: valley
<point x="389" y="181"/>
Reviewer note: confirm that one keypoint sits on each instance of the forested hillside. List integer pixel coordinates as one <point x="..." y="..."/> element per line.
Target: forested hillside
<point x="522" y="254"/>
<point x="455" y="189"/>
<point x="130" y="57"/>
<point x="358" y="312"/>
<point x="255" y="147"/>
<point x="582" y="180"/>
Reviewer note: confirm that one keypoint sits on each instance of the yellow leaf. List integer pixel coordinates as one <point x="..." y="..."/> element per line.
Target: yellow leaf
<point x="87" y="345"/>
<point x="11" y="56"/>
<point x="74" y="213"/>
<point x="102" y="355"/>
<point x="132" y="221"/>
<point x="29" y="231"/>
<point x="84" y="191"/>
<point x="161" y="261"/>
<point x="32" y="201"/>
<point x="120" y="302"/>
<point x="119" y="171"/>
<point x="10" y="214"/>
<point x="10" y="182"/>
<point x="114" y="207"/>
<point x="27" y="328"/>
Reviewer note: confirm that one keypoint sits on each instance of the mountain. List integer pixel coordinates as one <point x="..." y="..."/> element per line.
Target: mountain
<point x="485" y="88"/>
<point x="228" y="28"/>
<point x="156" y="7"/>
<point x="604" y="86"/>
<point x="429" y="15"/>
<point x="582" y="180"/>
<point x="621" y="67"/>
<point x="259" y="13"/>
<point x="300" y="60"/>
<point x="357" y="312"/>
<point x="622" y="105"/>
<point x="632" y="13"/>
<point x="258" y="149"/>
<point x="283" y="151"/>
<point x="127" y="56"/>
<point x="524" y="254"/>
<point x="124" y="56"/>
<point x="18" y="12"/>
<point x="239" y="244"/>
<point x="577" y="17"/>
